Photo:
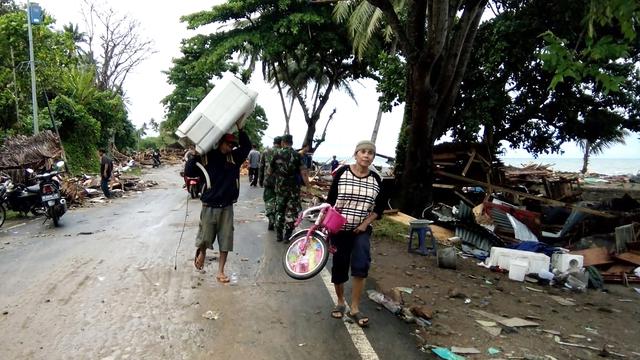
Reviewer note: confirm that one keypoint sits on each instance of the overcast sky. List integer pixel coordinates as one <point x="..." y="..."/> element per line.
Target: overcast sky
<point x="146" y="86"/>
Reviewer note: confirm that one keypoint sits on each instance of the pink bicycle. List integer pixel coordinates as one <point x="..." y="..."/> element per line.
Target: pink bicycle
<point x="309" y="249"/>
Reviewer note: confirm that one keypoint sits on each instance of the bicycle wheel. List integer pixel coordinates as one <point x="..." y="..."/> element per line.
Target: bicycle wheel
<point x="305" y="266"/>
<point x="3" y="214"/>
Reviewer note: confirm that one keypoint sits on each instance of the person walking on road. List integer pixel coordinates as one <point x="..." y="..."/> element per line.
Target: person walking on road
<point x="355" y="193"/>
<point x="216" y="217"/>
<point x="288" y="169"/>
<point x="106" y="169"/>
<point x="267" y="180"/>
<point x="254" y="165"/>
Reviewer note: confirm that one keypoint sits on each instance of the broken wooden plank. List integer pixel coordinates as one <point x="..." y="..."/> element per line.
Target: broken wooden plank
<point x="401" y="218"/>
<point x="518" y="322"/>
<point x="630" y="257"/>
<point x="491" y="188"/>
<point x="594" y="256"/>
<point x="471" y="157"/>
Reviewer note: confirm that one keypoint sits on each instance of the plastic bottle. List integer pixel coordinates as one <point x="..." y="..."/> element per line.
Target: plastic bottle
<point x="233" y="280"/>
<point x="383" y="300"/>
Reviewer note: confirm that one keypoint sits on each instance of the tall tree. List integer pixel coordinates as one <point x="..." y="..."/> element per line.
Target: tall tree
<point x="507" y="93"/>
<point x="116" y="44"/>
<point x="310" y="54"/>
<point x="436" y="39"/>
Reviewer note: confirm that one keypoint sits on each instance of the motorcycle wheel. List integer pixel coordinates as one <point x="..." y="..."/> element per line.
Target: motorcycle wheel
<point x="56" y="219"/>
<point x="3" y="214"/>
<point x="193" y="190"/>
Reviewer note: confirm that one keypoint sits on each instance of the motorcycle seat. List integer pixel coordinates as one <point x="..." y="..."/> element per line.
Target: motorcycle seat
<point x="33" y="189"/>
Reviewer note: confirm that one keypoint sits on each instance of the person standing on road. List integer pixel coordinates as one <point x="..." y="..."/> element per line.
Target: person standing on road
<point x="254" y="165"/>
<point x="334" y="163"/>
<point x="355" y="193"/>
<point x="267" y="180"/>
<point x="216" y="217"/>
<point x="288" y="169"/>
<point x="106" y="169"/>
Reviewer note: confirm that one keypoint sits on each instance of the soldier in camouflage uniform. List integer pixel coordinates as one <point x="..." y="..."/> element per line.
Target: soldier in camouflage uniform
<point x="287" y="165"/>
<point x="267" y="179"/>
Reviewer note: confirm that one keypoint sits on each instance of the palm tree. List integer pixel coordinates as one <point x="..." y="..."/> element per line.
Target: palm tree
<point x="364" y="21"/>
<point x="598" y="146"/>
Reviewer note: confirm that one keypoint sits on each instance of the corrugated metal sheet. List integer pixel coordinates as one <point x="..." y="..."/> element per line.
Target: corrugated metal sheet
<point x="501" y="220"/>
<point x="465" y="212"/>
<point x="474" y="238"/>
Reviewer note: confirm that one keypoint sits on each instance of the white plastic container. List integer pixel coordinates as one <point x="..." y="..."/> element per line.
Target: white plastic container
<point x="518" y="269"/>
<point x="502" y="257"/>
<point x="228" y="103"/>
<point x="564" y="262"/>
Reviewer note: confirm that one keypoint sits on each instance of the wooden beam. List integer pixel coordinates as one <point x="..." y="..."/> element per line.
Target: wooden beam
<point x="466" y="168"/>
<point x="525" y="195"/>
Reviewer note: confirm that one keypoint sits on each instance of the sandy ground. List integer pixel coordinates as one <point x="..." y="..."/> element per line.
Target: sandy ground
<point x="598" y="319"/>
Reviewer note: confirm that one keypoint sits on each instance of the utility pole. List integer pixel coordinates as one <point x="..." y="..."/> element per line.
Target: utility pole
<point x="15" y="85"/>
<point x="34" y="98"/>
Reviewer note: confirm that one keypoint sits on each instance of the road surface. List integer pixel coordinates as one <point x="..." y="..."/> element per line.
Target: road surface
<point x="104" y="286"/>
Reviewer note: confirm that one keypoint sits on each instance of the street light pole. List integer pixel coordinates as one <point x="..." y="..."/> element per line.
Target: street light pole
<point x="34" y="99"/>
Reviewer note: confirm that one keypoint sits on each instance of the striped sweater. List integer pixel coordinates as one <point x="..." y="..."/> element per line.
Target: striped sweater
<point x="355" y="197"/>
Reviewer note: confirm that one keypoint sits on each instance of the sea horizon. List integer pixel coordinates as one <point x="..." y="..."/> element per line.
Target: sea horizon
<point x="606" y="166"/>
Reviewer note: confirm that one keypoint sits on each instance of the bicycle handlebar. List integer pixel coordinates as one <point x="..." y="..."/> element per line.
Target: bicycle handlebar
<point x="314" y="208"/>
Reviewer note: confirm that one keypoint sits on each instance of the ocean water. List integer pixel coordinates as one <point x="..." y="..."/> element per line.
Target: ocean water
<point x="596" y="165"/>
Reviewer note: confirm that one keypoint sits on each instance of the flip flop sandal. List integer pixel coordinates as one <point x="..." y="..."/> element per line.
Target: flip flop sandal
<point x="358" y="318"/>
<point x="223" y="278"/>
<point x="338" y="309"/>
<point x="195" y="260"/>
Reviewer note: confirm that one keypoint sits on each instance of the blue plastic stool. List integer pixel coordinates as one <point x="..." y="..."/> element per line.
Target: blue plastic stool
<point x="422" y="229"/>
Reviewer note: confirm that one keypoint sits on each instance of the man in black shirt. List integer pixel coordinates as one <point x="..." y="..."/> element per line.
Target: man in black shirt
<point x="216" y="217"/>
<point x="106" y="168"/>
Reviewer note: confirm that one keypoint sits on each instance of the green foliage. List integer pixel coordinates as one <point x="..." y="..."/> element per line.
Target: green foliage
<point x="255" y="126"/>
<point x="151" y="142"/>
<point x="77" y="128"/>
<point x="389" y="229"/>
<point x="608" y="35"/>
<point x="506" y="90"/>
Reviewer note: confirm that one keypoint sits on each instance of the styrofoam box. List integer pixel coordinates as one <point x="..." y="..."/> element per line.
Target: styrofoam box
<point x="563" y="262"/>
<point x="502" y="257"/>
<point x="518" y="269"/>
<point x="228" y="103"/>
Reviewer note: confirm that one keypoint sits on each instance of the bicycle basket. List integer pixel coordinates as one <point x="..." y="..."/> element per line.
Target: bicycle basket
<point x="333" y="220"/>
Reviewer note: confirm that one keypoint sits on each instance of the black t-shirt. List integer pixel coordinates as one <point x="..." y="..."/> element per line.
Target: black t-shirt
<point x="106" y="166"/>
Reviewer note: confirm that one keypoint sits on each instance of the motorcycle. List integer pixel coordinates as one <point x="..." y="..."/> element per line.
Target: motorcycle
<point x="194" y="186"/>
<point x="49" y="190"/>
<point x="21" y="198"/>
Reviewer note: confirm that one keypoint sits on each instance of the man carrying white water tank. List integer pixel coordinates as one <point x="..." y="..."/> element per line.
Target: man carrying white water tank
<point x="216" y="217"/>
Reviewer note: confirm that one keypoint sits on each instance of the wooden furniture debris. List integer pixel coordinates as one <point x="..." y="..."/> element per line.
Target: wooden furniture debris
<point x="525" y="195"/>
<point x="594" y="256"/>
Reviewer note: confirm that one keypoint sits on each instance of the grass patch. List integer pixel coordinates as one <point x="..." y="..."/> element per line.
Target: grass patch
<point x="135" y="171"/>
<point x="12" y="215"/>
<point x="390" y="229"/>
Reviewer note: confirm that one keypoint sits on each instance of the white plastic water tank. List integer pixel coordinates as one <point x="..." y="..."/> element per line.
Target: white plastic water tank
<point x="564" y="262"/>
<point x="228" y="103"/>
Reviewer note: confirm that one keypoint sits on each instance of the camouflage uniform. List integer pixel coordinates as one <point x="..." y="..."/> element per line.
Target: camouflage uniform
<point x="267" y="180"/>
<point x="286" y="165"/>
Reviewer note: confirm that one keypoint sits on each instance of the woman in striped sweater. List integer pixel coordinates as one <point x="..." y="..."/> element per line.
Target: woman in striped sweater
<point x="355" y="193"/>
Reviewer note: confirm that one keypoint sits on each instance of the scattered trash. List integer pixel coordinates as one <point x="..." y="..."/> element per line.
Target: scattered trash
<point x="233" y="279"/>
<point x="563" y="301"/>
<point x="302" y="344"/>
<point x="604" y="352"/>
<point x="211" y="315"/>
<point x="407" y="290"/>
<point x="446" y="354"/>
<point x="493" y="351"/>
<point x="487" y="323"/>
<point x="467" y="301"/>
<point x="464" y="351"/>
<point x="534" y="289"/>
<point x="518" y="322"/>
<point x="385" y="301"/>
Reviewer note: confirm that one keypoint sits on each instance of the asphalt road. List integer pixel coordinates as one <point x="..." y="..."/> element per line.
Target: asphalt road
<point x="103" y="286"/>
